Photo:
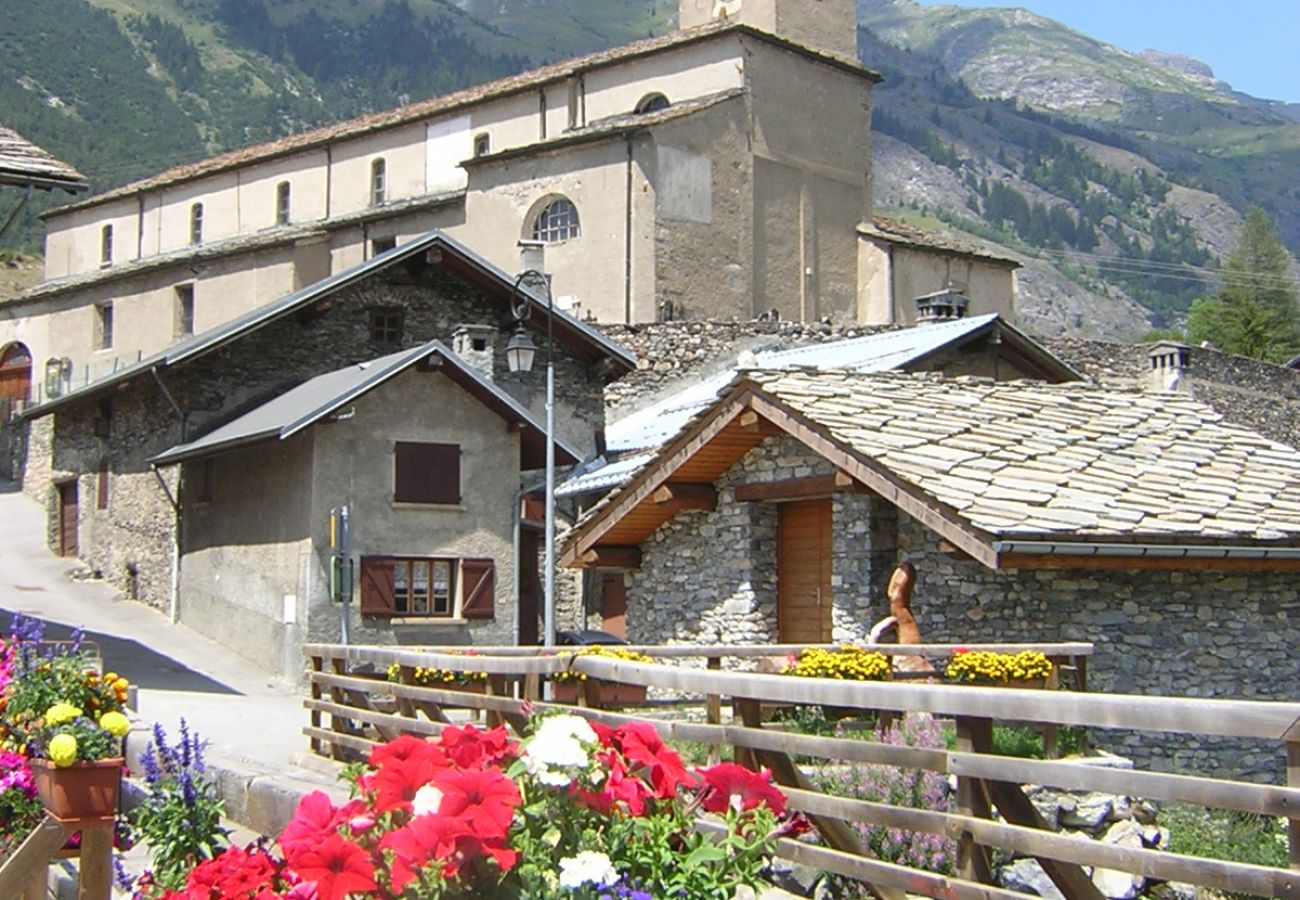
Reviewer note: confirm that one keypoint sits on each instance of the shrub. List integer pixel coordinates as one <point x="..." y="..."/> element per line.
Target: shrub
<point x="916" y="789"/>
<point x="1225" y="834"/>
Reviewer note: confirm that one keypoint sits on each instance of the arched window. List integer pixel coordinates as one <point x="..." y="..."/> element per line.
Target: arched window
<point x="106" y="246"/>
<point x="652" y="103"/>
<point x="558" y="221"/>
<point x="378" y="181"/>
<point x="15" y="378"/>
<point x="282" y="203"/>
<point x="196" y="223"/>
<point x="482" y="144"/>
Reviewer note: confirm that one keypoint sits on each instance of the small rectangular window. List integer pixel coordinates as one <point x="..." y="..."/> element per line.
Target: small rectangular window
<point x="482" y="145"/>
<point x="282" y="203"/>
<point x="196" y="223"/>
<point x="106" y="246"/>
<point x="426" y="473"/>
<point x="103" y="326"/>
<point x="378" y="182"/>
<point x="104" y="419"/>
<point x="382" y="245"/>
<point x="386" y="327"/>
<point x="184" y="310"/>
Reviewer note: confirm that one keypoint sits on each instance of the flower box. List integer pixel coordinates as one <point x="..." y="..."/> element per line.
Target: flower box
<point x="597" y="693"/>
<point x="81" y="792"/>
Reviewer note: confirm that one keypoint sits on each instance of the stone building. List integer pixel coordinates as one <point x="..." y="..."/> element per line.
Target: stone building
<point x="718" y="171"/>
<point x="127" y="519"/>
<point x="1143" y="522"/>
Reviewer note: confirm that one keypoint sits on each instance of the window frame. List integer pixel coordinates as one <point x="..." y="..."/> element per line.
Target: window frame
<point x="103" y="325"/>
<point x="106" y="246"/>
<point x="411" y="487"/>
<point x="470" y="592"/>
<point x="378" y="181"/>
<point x="183" y="323"/>
<point x="557" y="221"/>
<point x="386" y="325"/>
<point x="482" y="144"/>
<point x="652" y="103"/>
<point x="283" y="203"/>
<point x="102" y="486"/>
<point x="196" y="224"/>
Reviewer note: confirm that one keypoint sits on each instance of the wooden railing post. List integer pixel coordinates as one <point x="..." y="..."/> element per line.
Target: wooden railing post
<point x="95" y="869"/>
<point x="1293" y="780"/>
<point x="317" y="666"/>
<point x="974" y="735"/>
<point x="713" y="710"/>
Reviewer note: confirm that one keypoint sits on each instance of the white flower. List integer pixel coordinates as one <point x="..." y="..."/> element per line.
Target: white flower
<point x="426" y="801"/>
<point x="557" y="746"/>
<point x="588" y="867"/>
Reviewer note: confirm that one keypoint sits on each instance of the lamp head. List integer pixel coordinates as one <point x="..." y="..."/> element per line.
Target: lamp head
<point x="520" y="351"/>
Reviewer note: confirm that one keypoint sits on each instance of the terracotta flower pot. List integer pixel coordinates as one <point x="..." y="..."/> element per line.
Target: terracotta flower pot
<point x="79" y="792"/>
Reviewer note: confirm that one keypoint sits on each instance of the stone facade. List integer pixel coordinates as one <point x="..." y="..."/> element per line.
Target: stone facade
<point x="710" y="577"/>
<point x="130" y="542"/>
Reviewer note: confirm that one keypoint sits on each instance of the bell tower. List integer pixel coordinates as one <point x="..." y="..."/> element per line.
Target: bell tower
<point x="830" y="26"/>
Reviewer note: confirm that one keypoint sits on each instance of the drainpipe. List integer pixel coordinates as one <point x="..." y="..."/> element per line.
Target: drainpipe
<point x="627" y="240"/>
<point x="516" y="529"/>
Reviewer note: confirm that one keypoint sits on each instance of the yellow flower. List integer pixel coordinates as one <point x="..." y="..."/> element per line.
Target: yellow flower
<point x="62" y="750"/>
<point x="60" y="713"/>
<point x="115" y="724"/>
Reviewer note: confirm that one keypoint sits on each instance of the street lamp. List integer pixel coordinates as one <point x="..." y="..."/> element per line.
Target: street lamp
<point x="519" y="357"/>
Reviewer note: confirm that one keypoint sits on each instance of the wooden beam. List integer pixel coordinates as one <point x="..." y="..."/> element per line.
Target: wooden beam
<point x="797" y="488"/>
<point x="612" y="557"/>
<point x="683" y="495"/>
<point x="32" y="856"/>
<point x="1126" y="563"/>
<point x="1016" y="808"/>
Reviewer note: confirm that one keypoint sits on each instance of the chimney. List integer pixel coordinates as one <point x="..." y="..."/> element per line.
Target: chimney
<point x="476" y="345"/>
<point x="1168" y="366"/>
<point x="941" y="306"/>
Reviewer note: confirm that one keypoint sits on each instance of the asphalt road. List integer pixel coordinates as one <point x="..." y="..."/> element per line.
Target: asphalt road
<point x="243" y="713"/>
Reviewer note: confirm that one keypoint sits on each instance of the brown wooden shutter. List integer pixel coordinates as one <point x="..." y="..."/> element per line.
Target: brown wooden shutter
<point x="426" y="473"/>
<point x="101" y="487"/>
<point x="478" y="589"/>
<point x="377" y="598"/>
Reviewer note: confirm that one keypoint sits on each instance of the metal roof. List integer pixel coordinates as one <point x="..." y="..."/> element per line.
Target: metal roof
<point x="313" y="400"/>
<point x="881" y="352"/>
<point x="262" y="315"/>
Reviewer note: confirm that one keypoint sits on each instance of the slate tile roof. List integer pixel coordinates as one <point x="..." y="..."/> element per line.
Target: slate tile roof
<point x="895" y="232"/>
<point x="22" y="161"/>
<point x="1022" y="458"/>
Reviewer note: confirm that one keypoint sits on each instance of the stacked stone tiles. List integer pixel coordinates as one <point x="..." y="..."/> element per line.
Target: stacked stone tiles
<point x="1025" y="458"/>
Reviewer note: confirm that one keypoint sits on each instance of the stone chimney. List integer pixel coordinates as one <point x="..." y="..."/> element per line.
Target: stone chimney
<point x="1168" y="370"/>
<point x="941" y="306"/>
<point x="829" y="26"/>
<point x="476" y="344"/>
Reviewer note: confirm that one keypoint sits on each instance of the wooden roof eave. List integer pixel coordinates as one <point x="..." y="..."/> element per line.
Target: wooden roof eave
<point x="935" y="515"/>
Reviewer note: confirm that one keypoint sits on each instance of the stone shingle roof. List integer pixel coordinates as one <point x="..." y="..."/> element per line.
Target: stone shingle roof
<point x="22" y="162"/>
<point x="893" y="231"/>
<point x="1026" y="458"/>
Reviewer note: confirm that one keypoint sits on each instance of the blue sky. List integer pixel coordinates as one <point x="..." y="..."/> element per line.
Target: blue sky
<point x="1252" y="44"/>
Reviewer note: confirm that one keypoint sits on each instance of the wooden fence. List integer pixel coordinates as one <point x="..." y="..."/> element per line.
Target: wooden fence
<point x="350" y="688"/>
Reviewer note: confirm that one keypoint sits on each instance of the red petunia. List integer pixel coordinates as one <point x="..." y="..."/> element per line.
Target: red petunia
<point x="397" y="780"/>
<point x="419" y="842"/>
<point x="235" y="873"/>
<point x="405" y="748"/>
<point x="641" y="744"/>
<point x="339" y="867"/>
<point x="484" y="800"/>
<point x="728" y="786"/>
<point x="315" y="819"/>
<point x="473" y="748"/>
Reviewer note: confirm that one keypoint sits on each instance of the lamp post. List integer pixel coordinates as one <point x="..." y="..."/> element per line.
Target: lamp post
<point x="520" y="351"/>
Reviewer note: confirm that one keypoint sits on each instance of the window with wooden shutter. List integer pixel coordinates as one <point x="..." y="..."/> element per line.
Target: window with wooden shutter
<point x="426" y="473"/>
<point x="377" y="596"/>
<point x="478" y="588"/>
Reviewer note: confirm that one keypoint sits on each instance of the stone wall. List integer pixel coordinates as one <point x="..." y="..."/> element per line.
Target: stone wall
<point x="1253" y="394"/>
<point x="1190" y="634"/>
<point x="710" y="577"/>
<point x="134" y="534"/>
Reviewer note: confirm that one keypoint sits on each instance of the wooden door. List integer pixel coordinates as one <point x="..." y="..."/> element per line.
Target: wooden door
<point x="530" y="587"/>
<point x="15" y="379"/>
<point x="68" y="513"/>
<point x="613" y="604"/>
<point x="803" y="572"/>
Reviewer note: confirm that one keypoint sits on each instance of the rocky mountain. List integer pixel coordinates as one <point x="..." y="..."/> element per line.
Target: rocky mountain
<point x="1118" y="178"/>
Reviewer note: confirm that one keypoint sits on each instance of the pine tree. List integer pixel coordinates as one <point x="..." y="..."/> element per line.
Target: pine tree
<point x="1255" y="313"/>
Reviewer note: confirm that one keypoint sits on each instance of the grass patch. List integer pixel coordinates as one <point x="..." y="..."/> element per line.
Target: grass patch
<point x="1225" y="834"/>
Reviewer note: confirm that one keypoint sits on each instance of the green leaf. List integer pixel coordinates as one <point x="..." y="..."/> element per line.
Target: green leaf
<point x="705" y="853"/>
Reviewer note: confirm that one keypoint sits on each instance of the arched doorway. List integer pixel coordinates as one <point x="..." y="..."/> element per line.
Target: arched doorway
<point x="15" y="378"/>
